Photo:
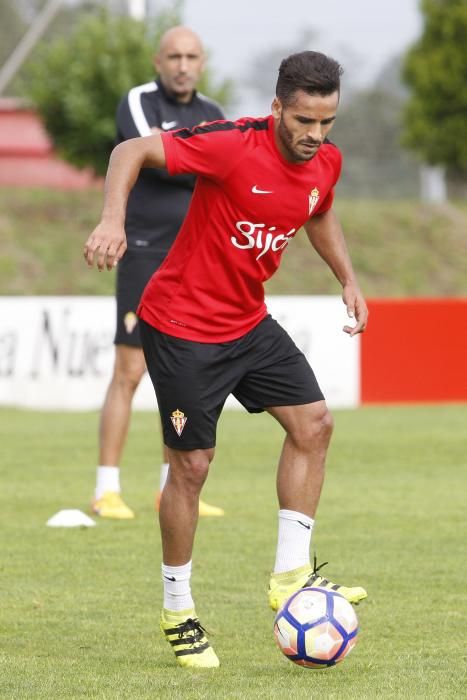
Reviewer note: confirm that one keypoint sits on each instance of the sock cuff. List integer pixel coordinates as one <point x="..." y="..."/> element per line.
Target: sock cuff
<point x="296" y="516"/>
<point x="176" y="573"/>
<point x="107" y="480"/>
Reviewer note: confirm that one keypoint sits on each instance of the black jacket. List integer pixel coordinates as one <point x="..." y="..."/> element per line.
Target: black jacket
<point x="158" y="202"/>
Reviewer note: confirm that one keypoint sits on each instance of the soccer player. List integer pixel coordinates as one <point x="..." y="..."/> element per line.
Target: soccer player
<point x="206" y="330"/>
<point x="156" y="208"/>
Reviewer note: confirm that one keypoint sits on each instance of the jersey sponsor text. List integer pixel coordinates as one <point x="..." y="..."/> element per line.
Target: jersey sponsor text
<point x="255" y="236"/>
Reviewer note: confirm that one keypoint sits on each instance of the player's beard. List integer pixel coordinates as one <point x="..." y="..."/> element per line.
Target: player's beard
<point x="287" y="138"/>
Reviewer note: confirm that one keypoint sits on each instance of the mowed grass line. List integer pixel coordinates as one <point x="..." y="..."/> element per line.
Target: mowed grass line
<point x="79" y="608"/>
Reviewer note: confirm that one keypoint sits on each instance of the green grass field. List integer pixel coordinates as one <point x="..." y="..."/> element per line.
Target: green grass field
<point x="79" y="608"/>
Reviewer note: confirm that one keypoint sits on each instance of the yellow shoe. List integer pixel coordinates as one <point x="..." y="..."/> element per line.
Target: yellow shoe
<point x="205" y="510"/>
<point x="184" y="633"/>
<point x="208" y="511"/>
<point x="282" y="586"/>
<point x="111" y="505"/>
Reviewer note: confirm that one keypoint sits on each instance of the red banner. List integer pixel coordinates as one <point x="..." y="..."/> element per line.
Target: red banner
<point x="415" y="350"/>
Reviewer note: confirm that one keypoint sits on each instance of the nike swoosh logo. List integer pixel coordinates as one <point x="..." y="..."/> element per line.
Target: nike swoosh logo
<point x="255" y="190"/>
<point x="308" y="527"/>
<point x="170" y="578"/>
<point x="168" y="125"/>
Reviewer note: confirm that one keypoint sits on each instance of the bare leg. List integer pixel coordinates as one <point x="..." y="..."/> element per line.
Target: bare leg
<point x="178" y="515"/>
<point x="116" y="412"/>
<point x="178" y="519"/>
<point x="204" y="510"/>
<point x="300" y="474"/>
<point x="300" y="478"/>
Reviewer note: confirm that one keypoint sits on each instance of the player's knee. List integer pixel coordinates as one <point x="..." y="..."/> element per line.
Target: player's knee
<point x="126" y="386"/>
<point x="326" y="424"/>
<point x="193" y="467"/>
<point x="127" y="379"/>
<point x="316" y="432"/>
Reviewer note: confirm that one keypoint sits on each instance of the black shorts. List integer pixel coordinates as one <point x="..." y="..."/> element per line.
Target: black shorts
<point x="133" y="273"/>
<point x="262" y="369"/>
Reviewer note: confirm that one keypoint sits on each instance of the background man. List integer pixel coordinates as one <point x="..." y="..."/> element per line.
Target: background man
<point x="205" y="327"/>
<point x="156" y="208"/>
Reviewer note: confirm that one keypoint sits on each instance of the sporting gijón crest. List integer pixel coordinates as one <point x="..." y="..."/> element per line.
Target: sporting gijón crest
<point x="179" y="420"/>
<point x="313" y="199"/>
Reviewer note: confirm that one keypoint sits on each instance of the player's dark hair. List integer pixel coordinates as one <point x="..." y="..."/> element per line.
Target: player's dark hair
<point x="310" y="71"/>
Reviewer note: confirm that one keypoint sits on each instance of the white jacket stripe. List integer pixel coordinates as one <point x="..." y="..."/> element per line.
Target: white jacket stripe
<point x="136" y="109"/>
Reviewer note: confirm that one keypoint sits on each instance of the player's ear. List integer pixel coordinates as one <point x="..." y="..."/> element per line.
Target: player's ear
<point x="276" y="108"/>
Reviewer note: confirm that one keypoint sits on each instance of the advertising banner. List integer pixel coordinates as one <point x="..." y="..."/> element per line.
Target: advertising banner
<point x="57" y="353"/>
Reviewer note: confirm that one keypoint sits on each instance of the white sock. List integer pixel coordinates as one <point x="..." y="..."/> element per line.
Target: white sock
<point x="293" y="541"/>
<point x="177" y="589"/>
<point x="108" y="479"/>
<point x="164" y="475"/>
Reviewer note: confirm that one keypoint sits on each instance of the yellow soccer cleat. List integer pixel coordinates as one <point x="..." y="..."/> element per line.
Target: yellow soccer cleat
<point x="205" y="510"/>
<point x="208" y="511"/>
<point x="282" y="586"/>
<point x="187" y="637"/>
<point x="111" y="505"/>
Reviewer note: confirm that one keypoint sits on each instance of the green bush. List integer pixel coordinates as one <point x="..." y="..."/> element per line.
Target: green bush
<point x="76" y="82"/>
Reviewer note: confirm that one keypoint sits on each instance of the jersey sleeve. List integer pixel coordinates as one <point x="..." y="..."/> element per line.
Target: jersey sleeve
<point x="326" y="204"/>
<point x="211" y="150"/>
<point x="335" y="157"/>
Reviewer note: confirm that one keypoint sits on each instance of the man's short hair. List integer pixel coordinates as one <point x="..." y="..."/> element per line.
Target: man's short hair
<point x="310" y="71"/>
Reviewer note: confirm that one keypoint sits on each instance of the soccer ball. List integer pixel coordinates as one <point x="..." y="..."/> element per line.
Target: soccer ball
<point x="316" y="628"/>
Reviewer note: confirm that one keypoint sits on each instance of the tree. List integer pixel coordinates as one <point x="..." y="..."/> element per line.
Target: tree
<point x="77" y="82"/>
<point x="435" y="118"/>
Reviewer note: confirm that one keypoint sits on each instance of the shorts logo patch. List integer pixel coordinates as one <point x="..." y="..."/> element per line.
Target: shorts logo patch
<point x="130" y="320"/>
<point x="179" y="420"/>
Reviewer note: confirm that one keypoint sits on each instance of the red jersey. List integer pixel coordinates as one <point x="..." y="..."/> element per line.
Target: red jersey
<point x="248" y="203"/>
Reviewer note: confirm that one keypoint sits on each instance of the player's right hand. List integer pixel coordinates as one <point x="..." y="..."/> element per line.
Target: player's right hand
<point x="106" y="246"/>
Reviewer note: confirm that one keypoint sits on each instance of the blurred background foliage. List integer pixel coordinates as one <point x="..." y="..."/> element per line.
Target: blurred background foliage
<point x="435" y="70"/>
<point x="414" y="112"/>
<point x="76" y="81"/>
<point x="399" y="249"/>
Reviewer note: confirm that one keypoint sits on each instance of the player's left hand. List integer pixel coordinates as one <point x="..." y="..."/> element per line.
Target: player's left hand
<point x="356" y="308"/>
